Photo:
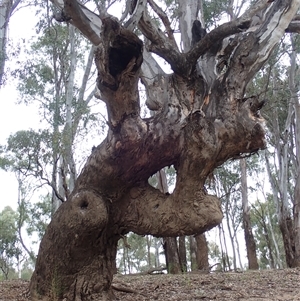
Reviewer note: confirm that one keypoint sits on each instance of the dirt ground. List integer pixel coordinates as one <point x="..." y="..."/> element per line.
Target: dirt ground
<point x="273" y="285"/>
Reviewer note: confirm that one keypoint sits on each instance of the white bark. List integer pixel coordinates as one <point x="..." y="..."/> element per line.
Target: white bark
<point x="6" y="9"/>
<point x="274" y="240"/>
<point x="189" y="12"/>
<point x="295" y="101"/>
<point x="69" y="162"/>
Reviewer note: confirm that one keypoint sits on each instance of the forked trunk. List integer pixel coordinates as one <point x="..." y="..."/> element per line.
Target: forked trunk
<point x="201" y="120"/>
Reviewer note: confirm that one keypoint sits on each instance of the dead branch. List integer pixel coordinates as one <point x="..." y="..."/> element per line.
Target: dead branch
<point x="126" y="290"/>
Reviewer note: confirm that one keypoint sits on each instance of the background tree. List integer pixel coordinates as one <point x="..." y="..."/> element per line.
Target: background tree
<point x="267" y="234"/>
<point x="56" y="77"/>
<point x="277" y="81"/>
<point x="249" y="239"/>
<point x="7" y="7"/>
<point x="10" y="249"/>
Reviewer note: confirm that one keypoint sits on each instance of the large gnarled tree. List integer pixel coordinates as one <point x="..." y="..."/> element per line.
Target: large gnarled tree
<point x="201" y="119"/>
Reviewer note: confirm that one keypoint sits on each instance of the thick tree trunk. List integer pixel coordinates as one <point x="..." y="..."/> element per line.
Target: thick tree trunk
<point x="201" y="121"/>
<point x="249" y="238"/>
<point x="89" y="256"/>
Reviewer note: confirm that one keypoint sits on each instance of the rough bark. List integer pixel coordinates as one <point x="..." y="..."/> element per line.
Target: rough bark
<point x="249" y="238"/>
<point x="197" y="127"/>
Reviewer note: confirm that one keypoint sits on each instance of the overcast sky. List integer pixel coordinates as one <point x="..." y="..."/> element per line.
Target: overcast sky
<point x="13" y="116"/>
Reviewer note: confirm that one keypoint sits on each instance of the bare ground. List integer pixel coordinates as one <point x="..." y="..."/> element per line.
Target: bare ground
<point x="271" y="285"/>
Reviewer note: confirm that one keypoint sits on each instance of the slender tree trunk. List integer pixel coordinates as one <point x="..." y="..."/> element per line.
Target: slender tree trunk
<point x="68" y="134"/>
<point x="172" y="256"/>
<point x="223" y="260"/>
<point x="148" y="251"/>
<point x="249" y="238"/>
<point x="170" y="243"/>
<point x="157" y="246"/>
<point x="295" y="101"/>
<point x="6" y="9"/>
<point x="182" y="254"/>
<point x="226" y="257"/>
<point x="238" y="252"/>
<point x="274" y="241"/>
<point x="124" y="259"/>
<point x="202" y="253"/>
<point x="231" y="235"/>
<point x="193" y="253"/>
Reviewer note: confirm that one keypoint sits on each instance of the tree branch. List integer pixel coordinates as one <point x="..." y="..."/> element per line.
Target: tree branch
<point x="137" y="13"/>
<point x="255" y="48"/>
<point x="85" y="20"/>
<point x="153" y="212"/>
<point x="161" y="45"/>
<point x="163" y="16"/>
<point x="294" y="27"/>
<point x="209" y="41"/>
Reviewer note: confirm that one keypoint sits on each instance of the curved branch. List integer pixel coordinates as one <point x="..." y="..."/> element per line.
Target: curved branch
<point x="136" y="15"/>
<point x="153" y="212"/>
<point x="163" y="16"/>
<point x="255" y="48"/>
<point x="218" y="34"/>
<point x="161" y="45"/>
<point x="85" y="20"/>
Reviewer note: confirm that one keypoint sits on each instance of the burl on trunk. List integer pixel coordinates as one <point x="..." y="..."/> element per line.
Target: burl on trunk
<point x="201" y="119"/>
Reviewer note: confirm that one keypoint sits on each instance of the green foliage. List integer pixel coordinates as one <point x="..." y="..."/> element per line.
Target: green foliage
<point x="39" y="216"/>
<point x="27" y="152"/>
<point x="264" y="222"/>
<point x="9" y="246"/>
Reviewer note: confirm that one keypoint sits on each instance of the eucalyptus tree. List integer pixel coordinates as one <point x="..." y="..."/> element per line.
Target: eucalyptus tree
<point x="7" y="7"/>
<point x="56" y="76"/>
<point x="269" y="243"/>
<point x="249" y="238"/>
<point x="10" y="249"/>
<point x="278" y="81"/>
<point x="227" y="184"/>
<point x="202" y="118"/>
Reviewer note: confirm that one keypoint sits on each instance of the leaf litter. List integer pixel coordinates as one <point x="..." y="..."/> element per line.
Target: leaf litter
<point x="263" y="285"/>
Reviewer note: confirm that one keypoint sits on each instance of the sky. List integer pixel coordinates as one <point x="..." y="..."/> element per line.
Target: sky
<point x="13" y="116"/>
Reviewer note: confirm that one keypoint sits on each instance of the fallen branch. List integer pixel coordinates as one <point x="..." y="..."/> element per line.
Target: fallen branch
<point x="127" y="290"/>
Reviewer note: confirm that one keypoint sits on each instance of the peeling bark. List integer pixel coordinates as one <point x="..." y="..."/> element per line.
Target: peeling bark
<point x="198" y="125"/>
